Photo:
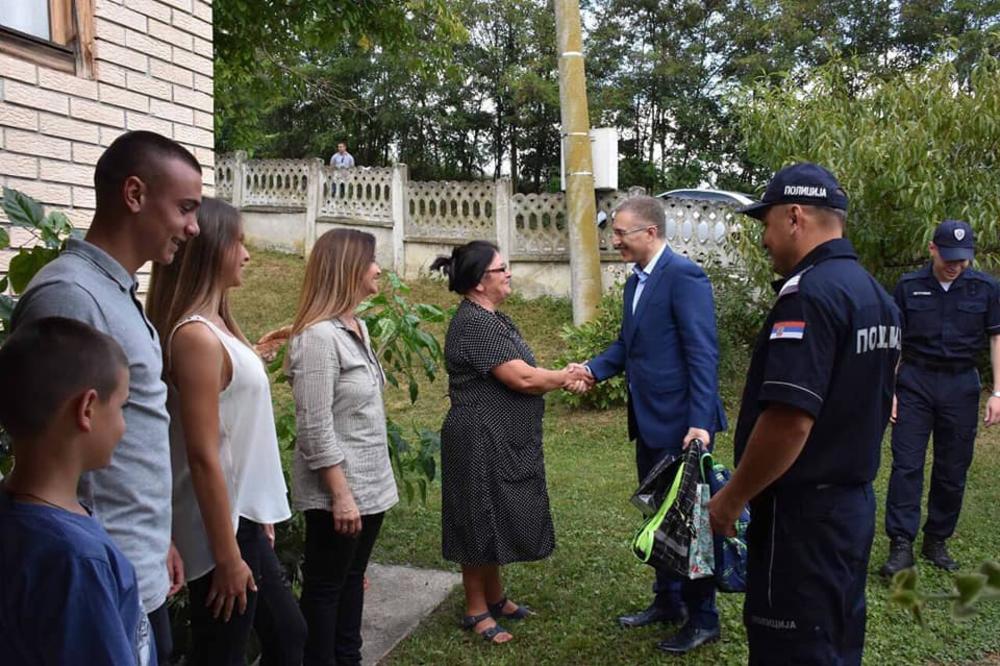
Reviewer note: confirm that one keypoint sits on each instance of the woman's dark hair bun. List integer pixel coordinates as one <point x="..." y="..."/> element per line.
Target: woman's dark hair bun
<point x="442" y="264"/>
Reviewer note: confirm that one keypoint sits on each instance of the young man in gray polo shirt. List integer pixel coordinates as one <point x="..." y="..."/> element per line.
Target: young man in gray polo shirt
<point x="148" y="189"/>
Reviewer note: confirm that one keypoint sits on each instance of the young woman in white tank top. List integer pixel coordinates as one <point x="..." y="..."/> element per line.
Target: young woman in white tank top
<point x="229" y="489"/>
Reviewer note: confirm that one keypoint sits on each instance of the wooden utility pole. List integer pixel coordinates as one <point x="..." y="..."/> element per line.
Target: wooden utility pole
<point x="581" y="212"/>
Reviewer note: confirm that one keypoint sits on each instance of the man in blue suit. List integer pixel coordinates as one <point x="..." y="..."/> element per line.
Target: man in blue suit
<point x="669" y="352"/>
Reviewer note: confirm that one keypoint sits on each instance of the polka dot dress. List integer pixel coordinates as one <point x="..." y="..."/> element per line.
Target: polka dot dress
<point x="494" y="502"/>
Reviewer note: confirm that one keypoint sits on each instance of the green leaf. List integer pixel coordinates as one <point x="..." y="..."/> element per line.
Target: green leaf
<point x="992" y="572"/>
<point x="22" y="210"/>
<point x="6" y="310"/>
<point x="414" y="390"/>
<point x="906" y="579"/>
<point x="26" y="263"/>
<point x="4" y="238"/>
<point x="969" y="587"/>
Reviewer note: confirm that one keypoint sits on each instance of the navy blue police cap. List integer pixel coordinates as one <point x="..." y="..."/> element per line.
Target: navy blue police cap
<point x="803" y="183"/>
<point x="955" y="240"/>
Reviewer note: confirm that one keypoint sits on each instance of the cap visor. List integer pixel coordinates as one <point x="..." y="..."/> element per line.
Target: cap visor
<point x="956" y="253"/>
<point x="756" y="210"/>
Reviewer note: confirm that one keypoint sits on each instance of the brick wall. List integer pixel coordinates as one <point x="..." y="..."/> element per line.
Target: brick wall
<point x="153" y="72"/>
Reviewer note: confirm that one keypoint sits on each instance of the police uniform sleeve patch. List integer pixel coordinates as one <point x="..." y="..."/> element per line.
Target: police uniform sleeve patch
<point x="788" y="330"/>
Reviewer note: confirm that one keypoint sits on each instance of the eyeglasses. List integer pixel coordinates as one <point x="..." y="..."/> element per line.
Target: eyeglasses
<point x="618" y="233"/>
<point x="501" y="269"/>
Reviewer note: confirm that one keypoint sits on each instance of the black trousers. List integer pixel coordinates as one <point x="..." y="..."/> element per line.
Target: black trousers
<point x="333" y="594"/>
<point x="271" y="612"/>
<point x="808" y="551"/>
<point x="944" y="404"/>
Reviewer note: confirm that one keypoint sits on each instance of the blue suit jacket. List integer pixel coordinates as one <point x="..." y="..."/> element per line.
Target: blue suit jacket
<point x="669" y="352"/>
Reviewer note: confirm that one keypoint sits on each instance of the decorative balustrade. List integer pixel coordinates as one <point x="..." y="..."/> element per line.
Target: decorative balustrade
<point x="275" y="183"/>
<point x="451" y="210"/>
<point x="225" y="174"/>
<point x="362" y="194"/>
<point x="539" y="226"/>
<point x="699" y="229"/>
<point x="530" y="227"/>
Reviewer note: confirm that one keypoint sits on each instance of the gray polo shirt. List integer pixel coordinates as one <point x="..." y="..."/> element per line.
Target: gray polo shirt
<point x="131" y="496"/>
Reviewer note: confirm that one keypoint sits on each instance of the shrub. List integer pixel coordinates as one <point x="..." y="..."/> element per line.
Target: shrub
<point x="590" y="339"/>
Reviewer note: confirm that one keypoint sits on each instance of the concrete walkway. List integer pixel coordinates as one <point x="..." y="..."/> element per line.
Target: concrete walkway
<point x="397" y="600"/>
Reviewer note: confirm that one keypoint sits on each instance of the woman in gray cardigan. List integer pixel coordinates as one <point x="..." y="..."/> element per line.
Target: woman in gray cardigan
<point x="341" y="477"/>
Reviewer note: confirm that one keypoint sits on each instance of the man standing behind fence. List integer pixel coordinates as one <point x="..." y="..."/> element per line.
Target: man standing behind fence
<point x="669" y="352"/>
<point x="342" y="159"/>
<point x="148" y="189"/>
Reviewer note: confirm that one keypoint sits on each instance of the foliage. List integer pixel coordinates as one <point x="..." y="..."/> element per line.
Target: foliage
<point x="910" y="151"/>
<point x="741" y="306"/>
<point x="586" y="341"/>
<point x="49" y="233"/>
<point x="467" y="89"/>
<point x="969" y="589"/>
<point x="265" y="48"/>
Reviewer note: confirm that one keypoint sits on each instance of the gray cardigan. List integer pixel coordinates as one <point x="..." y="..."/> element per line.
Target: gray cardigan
<point x="340" y="417"/>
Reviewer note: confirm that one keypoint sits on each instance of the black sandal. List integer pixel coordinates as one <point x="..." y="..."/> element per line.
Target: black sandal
<point x="496" y="610"/>
<point x="469" y="623"/>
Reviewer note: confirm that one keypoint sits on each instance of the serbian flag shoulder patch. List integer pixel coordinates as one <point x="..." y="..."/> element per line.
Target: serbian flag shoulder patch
<point x="788" y="330"/>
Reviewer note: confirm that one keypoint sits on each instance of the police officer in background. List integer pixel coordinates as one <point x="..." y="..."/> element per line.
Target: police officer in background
<point x="815" y="406"/>
<point x="948" y="311"/>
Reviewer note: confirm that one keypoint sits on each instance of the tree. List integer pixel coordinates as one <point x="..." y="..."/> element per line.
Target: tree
<point x="910" y="150"/>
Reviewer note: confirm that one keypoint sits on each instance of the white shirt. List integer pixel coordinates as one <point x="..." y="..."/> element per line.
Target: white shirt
<point x="248" y="452"/>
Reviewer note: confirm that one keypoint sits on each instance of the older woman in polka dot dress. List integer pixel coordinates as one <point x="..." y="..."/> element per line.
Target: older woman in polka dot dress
<point x="494" y="504"/>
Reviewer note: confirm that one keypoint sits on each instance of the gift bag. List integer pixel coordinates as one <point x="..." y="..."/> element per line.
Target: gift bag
<point x="649" y="496"/>
<point x="730" y="552"/>
<point x="670" y="538"/>
<point x="701" y="561"/>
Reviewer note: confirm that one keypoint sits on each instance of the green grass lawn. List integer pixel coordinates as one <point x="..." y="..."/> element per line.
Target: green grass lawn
<point x="592" y="577"/>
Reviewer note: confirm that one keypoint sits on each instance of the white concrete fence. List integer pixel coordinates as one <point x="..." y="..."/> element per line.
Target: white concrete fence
<point x="287" y="204"/>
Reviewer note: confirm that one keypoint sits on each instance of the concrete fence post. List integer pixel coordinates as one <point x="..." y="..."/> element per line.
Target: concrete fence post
<point x="239" y="178"/>
<point x="314" y="201"/>
<point x="503" y="211"/>
<point x="398" y="196"/>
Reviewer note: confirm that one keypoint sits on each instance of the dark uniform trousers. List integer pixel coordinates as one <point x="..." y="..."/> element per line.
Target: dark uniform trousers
<point x="808" y="558"/>
<point x="945" y="403"/>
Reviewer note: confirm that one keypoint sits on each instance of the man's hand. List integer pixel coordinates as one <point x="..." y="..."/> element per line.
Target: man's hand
<point x="992" y="416"/>
<point x="175" y="569"/>
<point x="723" y="512"/>
<point x="580" y="379"/>
<point x="699" y="434"/>
<point x="892" y="414"/>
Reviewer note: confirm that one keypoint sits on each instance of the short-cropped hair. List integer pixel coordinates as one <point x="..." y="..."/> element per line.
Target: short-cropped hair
<point x="46" y="362"/>
<point x="139" y="153"/>
<point x="649" y="210"/>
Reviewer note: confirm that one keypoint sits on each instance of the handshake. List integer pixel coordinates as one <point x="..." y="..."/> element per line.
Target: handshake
<point x="577" y="378"/>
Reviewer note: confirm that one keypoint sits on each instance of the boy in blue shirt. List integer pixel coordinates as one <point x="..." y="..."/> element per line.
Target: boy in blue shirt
<point x="67" y="594"/>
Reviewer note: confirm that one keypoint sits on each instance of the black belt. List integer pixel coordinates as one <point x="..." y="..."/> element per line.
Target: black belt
<point x="953" y="367"/>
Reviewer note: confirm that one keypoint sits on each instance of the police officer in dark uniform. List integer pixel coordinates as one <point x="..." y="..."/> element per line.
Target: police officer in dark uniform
<point x="948" y="312"/>
<point x="815" y="406"/>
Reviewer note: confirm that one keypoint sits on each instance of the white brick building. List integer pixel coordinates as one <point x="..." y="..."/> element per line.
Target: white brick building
<point x="74" y="74"/>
